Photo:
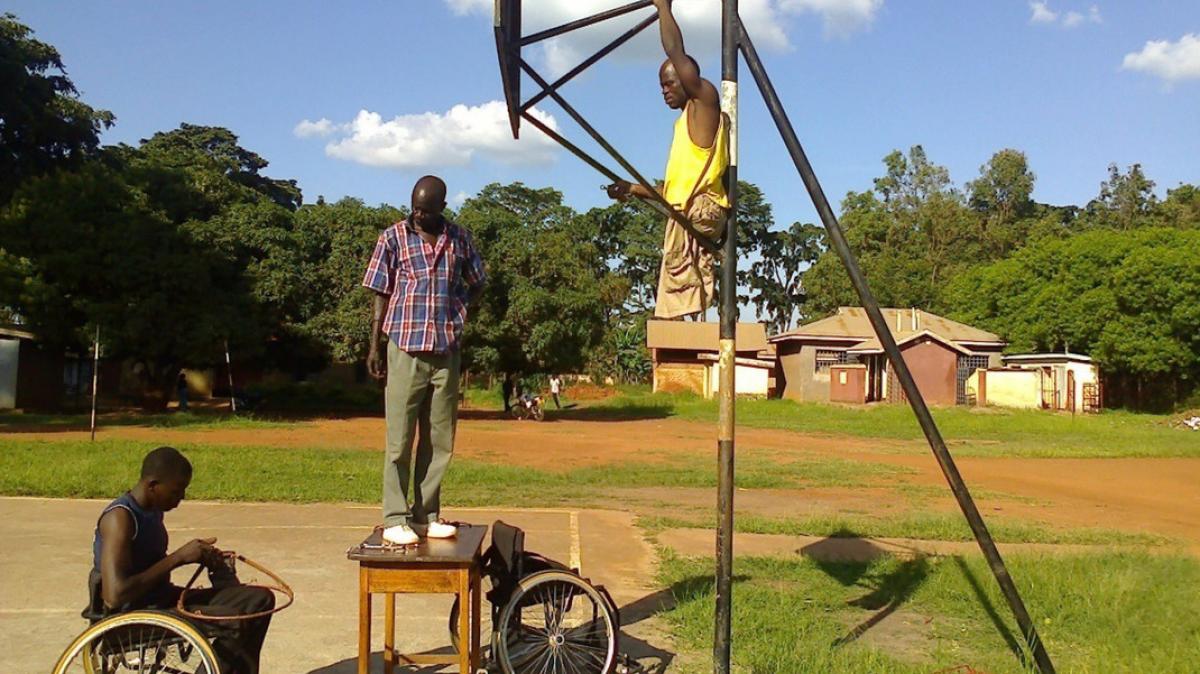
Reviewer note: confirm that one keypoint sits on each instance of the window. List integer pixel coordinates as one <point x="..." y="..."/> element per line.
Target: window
<point x="827" y="358"/>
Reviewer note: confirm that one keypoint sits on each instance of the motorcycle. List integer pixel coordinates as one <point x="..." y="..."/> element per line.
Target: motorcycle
<point x="528" y="407"/>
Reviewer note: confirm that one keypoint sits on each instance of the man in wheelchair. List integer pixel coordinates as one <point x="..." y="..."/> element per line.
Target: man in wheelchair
<point x="131" y="562"/>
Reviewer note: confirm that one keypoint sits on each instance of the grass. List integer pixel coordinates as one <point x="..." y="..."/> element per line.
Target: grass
<point x="1118" y="612"/>
<point x="932" y="526"/>
<point x="81" y="469"/>
<point x="968" y="431"/>
<point x="200" y="421"/>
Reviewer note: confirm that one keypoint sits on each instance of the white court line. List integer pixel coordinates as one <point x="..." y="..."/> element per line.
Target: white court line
<point x="576" y="561"/>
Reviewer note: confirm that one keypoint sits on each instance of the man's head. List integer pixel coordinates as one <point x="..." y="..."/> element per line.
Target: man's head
<point x="672" y="87"/>
<point x="428" y="202"/>
<point x="166" y="475"/>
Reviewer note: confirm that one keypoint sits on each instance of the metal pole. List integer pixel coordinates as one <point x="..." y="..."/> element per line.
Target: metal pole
<point x="728" y="350"/>
<point x="95" y="378"/>
<point x="936" y="443"/>
<point x="229" y="368"/>
<point x="625" y="37"/>
<point x="665" y="205"/>
<point x="585" y="22"/>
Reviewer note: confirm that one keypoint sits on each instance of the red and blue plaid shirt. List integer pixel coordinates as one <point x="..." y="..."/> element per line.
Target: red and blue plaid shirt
<point x="428" y="286"/>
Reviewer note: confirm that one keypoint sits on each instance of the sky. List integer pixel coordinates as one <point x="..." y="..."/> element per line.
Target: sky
<point x="360" y="99"/>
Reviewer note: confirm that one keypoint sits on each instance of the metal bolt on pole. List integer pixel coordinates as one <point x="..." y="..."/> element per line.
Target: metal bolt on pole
<point x="728" y="349"/>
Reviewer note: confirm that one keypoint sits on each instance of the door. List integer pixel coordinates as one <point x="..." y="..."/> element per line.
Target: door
<point x="1071" y="390"/>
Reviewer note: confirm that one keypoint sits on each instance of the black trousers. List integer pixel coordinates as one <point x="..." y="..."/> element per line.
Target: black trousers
<point x="238" y="644"/>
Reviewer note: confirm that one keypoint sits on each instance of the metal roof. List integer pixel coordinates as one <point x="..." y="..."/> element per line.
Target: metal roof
<point x="852" y="323"/>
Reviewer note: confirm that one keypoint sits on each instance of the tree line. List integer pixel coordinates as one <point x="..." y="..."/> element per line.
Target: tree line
<point x="182" y="243"/>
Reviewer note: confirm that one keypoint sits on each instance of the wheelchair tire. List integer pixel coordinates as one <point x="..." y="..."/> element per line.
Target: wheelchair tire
<point x="139" y="642"/>
<point x="556" y="621"/>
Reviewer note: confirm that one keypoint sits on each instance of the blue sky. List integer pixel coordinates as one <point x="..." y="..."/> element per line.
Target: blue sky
<point x="360" y="98"/>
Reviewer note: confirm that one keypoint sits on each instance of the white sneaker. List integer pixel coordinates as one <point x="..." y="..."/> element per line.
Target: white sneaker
<point x="401" y="534"/>
<point x="441" y="530"/>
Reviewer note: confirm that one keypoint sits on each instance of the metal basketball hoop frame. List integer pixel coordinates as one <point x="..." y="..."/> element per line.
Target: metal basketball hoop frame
<point x="735" y="40"/>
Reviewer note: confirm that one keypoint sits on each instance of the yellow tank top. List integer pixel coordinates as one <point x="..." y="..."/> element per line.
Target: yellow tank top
<point x="687" y="159"/>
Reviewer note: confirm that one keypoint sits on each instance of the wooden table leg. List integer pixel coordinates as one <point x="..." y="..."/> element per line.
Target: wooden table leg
<point x="464" y="621"/>
<point x="364" y="622"/>
<point x="475" y="617"/>
<point x="389" y="633"/>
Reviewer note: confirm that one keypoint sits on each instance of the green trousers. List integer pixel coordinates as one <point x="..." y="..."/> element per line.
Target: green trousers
<point x="421" y="403"/>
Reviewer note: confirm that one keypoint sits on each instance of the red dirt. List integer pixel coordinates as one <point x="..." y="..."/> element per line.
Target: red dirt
<point x="1159" y="496"/>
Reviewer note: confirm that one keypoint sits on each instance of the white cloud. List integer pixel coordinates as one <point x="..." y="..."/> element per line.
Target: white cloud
<point x="430" y="139"/>
<point x="1042" y="13"/>
<point x="462" y="7"/>
<point x="458" y="200"/>
<point x="1171" y="61"/>
<point x="700" y="21"/>
<point x="841" y="18"/>
<point x="307" y="129"/>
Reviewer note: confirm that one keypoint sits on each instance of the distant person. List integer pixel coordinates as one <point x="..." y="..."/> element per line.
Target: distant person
<point x="555" y="389"/>
<point x="129" y="552"/>
<point x="506" y="388"/>
<point x="181" y="391"/>
<point x="425" y="272"/>
<point x="694" y="180"/>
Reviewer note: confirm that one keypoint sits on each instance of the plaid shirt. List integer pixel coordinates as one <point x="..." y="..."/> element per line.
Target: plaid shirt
<point x="428" y="286"/>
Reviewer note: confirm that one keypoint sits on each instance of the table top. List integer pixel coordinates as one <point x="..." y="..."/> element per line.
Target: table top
<point x="462" y="549"/>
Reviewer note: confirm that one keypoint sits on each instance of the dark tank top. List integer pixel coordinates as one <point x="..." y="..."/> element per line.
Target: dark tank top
<point x="149" y="543"/>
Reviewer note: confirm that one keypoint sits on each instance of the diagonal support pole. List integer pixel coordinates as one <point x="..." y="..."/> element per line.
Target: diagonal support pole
<point x="920" y="409"/>
<point x="663" y="206"/>
<point x="587" y="63"/>
<point x="584" y="22"/>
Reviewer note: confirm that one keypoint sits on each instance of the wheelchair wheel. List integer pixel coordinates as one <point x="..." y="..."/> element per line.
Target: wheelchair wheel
<point x="141" y="642"/>
<point x="556" y="622"/>
<point x="539" y="414"/>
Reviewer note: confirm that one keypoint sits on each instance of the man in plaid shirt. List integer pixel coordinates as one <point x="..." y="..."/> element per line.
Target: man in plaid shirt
<point x="425" y="272"/>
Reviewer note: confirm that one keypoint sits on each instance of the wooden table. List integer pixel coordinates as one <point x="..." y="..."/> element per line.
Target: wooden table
<point x="433" y="566"/>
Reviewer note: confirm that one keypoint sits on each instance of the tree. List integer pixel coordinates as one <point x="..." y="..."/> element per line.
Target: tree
<point x="102" y="255"/>
<point x="1130" y="299"/>
<point x="549" y="291"/>
<point x="43" y="124"/>
<point x="1125" y="200"/>
<point x="335" y="242"/>
<point x="1181" y="208"/>
<point x="1002" y="195"/>
<point x="911" y="234"/>
<point x="775" y="278"/>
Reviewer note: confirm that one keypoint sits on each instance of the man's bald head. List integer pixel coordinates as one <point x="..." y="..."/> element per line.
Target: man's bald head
<point x="428" y="202"/>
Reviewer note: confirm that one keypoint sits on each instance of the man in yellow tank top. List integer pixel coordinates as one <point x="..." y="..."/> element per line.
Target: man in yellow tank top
<point x="694" y="181"/>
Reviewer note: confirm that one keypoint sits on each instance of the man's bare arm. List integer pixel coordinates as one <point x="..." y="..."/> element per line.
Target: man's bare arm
<point x="672" y="42"/>
<point x="375" y="364"/>
<point x="119" y="586"/>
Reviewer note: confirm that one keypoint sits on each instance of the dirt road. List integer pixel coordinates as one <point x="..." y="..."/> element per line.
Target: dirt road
<point x="1160" y="496"/>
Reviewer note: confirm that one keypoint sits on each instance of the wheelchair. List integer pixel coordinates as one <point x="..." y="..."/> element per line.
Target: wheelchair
<point x="138" y="642"/>
<point x="545" y="616"/>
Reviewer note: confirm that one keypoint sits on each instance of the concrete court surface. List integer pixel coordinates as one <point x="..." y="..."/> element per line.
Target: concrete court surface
<point x="46" y="555"/>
